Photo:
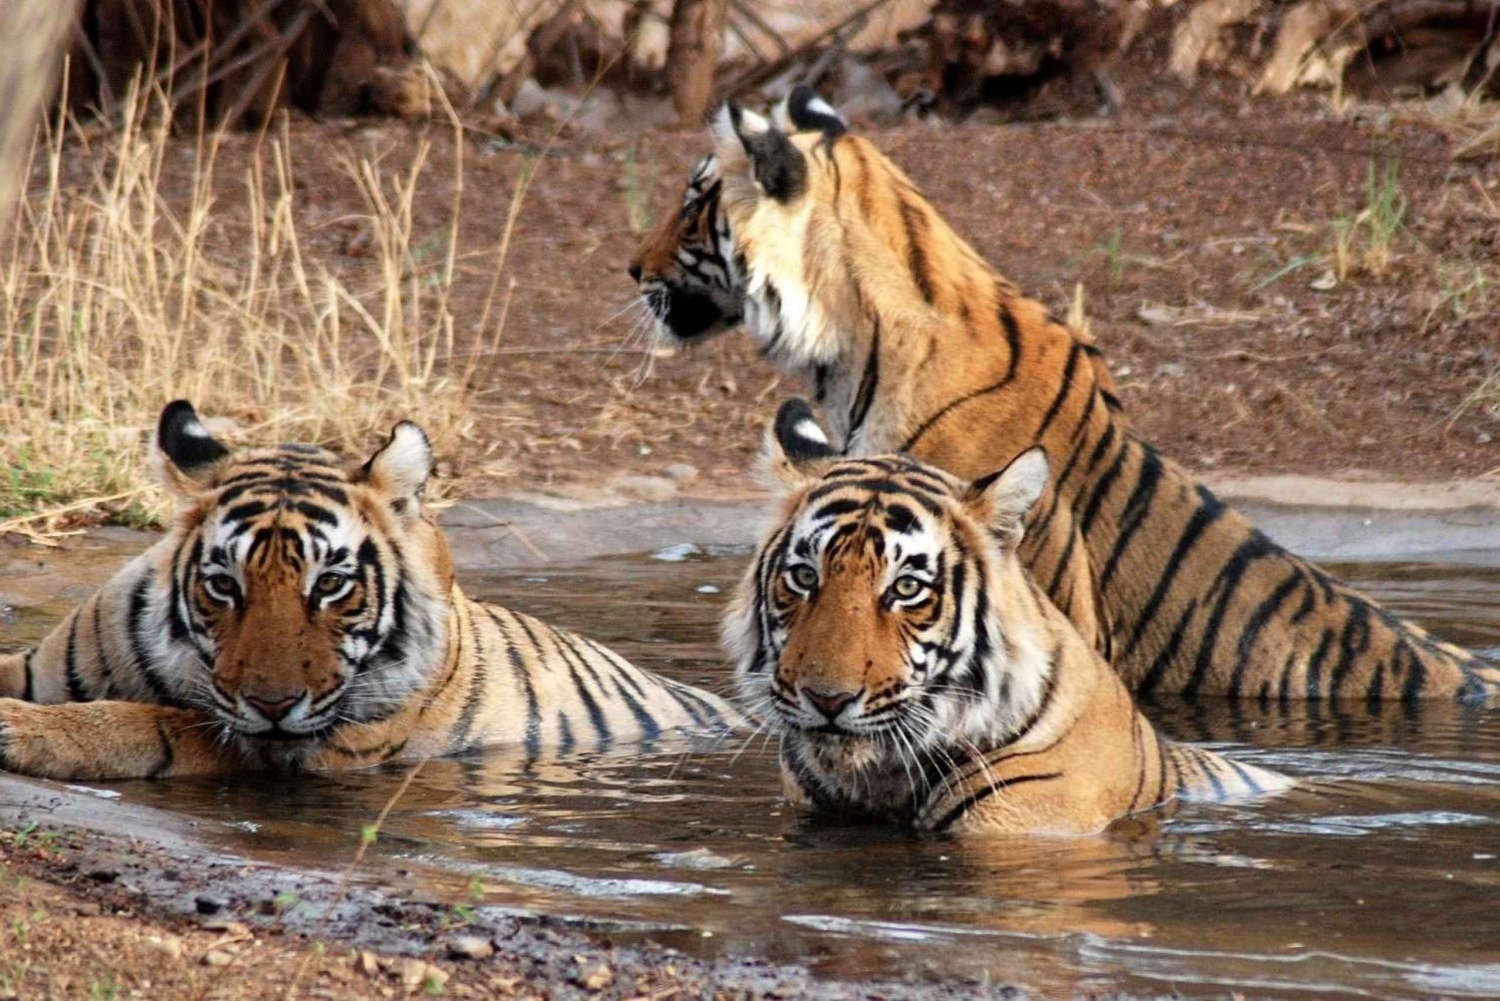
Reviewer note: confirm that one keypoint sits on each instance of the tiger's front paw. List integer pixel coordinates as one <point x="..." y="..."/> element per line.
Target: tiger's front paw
<point x="22" y="745"/>
<point x="106" y="740"/>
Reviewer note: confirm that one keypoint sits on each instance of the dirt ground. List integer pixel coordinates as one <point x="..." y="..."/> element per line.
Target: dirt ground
<point x="91" y="916"/>
<point x="1199" y="225"/>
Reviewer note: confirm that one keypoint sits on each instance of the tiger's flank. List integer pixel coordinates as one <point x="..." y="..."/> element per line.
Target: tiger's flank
<point x="302" y="613"/>
<point x="917" y="674"/>
<point x="845" y="273"/>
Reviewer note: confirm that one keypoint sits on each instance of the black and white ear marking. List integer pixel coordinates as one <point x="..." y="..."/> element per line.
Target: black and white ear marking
<point x="797" y="449"/>
<point x="1004" y="497"/>
<point x="186" y="443"/>
<point x="805" y="111"/>
<point x="799" y="434"/>
<point x="776" y="165"/>
<point x="401" y="469"/>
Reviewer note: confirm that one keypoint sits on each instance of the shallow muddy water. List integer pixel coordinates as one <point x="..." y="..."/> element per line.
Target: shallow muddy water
<point x="1380" y="878"/>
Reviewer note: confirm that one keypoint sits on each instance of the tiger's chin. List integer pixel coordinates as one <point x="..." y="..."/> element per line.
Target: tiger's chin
<point x="685" y="317"/>
<point x="850" y="775"/>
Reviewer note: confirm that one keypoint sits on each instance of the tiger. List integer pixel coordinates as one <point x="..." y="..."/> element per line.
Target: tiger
<point x="914" y="344"/>
<point x="302" y="614"/>
<point x="918" y="675"/>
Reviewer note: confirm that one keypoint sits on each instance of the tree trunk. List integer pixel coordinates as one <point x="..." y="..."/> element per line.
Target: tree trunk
<point x="697" y="35"/>
<point x="34" y="33"/>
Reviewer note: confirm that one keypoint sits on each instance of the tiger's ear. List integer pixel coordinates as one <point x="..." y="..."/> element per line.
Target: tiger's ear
<point x="804" y="111"/>
<point x="189" y="455"/>
<point x="1001" y="499"/>
<point x="777" y="167"/>
<point x="401" y="468"/>
<point x="797" y="448"/>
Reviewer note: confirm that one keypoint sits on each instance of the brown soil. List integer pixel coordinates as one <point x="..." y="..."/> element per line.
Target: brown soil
<point x="101" y="917"/>
<point x="1197" y="224"/>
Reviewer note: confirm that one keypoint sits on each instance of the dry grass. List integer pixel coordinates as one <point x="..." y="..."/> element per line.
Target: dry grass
<point x="112" y="303"/>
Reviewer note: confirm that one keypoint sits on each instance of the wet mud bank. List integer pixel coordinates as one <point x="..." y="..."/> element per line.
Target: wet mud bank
<point x="151" y="865"/>
<point x="1332" y="520"/>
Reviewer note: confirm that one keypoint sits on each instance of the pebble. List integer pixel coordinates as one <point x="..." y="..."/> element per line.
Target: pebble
<point x="217" y="958"/>
<point x="681" y="472"/>
<point x="367" y="964"/>
<point x="469" y="947"/>
<point x="598" y="978"/>
<point x="679" y="553"/>
<point x="209" y="904"/>
<point x="417" y="975"/>
<point x="169" y="945"/>
<point x="647" y="488"/>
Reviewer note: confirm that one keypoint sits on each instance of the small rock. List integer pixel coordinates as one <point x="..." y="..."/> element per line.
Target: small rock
<point x="1171" y="369"/>
<point x="435" y="979"/>
<point x="647" y="488"/>
<point x="1323" y="282"/>
<point x="413" y="974"/>
<point x="1483" y="438"/>
<point x="469" y="947"/>
<point x="367" y="964"/>
<point x="217" y="958"/>
<point x="681" y="472"/>
<point x="169" y="945"/>
<point x="1154" y="315"/>
<point x="226" y="927"/>
<point x="209" y="904"/>
<point x="598" y="978"/>
<point x="679" y="553"/>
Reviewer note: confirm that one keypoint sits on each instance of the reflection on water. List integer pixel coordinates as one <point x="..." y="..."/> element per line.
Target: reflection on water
<point x="1379" y="878"/>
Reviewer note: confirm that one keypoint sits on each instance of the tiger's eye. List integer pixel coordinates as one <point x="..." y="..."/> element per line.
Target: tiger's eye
<point x="221" y="586"/>
<point x="804" y="576"/>
<point x="328" y="583"/>
<point x="908" y="586"/>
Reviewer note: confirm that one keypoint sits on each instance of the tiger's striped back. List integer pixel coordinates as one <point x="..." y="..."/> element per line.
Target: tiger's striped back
<point x="916" y="345"/>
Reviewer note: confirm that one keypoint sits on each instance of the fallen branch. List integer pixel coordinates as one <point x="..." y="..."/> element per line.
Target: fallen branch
<point x="760" y="74"/>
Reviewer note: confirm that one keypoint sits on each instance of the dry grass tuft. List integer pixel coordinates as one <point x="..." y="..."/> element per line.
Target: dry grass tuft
<point x="112" y="303"/>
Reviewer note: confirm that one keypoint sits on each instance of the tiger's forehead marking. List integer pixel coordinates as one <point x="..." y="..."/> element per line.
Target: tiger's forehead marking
<point x="878" y="508"/>
<point x="267" y="495"/>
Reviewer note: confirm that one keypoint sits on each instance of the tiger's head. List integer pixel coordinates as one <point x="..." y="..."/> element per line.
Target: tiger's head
<point x="885" y="625"/>
<point x="685" y="269"/>
<point x="691" y="276"/>
<point x="303" y="590"/>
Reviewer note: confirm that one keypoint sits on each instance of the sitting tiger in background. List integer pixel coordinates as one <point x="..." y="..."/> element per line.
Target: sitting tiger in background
<point x="847" y="274"/>
<point x="302" y="613"/>
<point x="917" y="674"/>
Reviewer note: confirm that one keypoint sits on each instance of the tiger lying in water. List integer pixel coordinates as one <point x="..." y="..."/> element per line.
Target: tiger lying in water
<point x="844" y="272"/>
<point x="302" y="613"/>
<point x="915" y="671"/>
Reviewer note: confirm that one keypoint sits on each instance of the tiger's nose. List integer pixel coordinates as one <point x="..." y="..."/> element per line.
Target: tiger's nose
<point x="635" y="271"/>
<point x="830" y="704"/>
<point x="272" y="707"/>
